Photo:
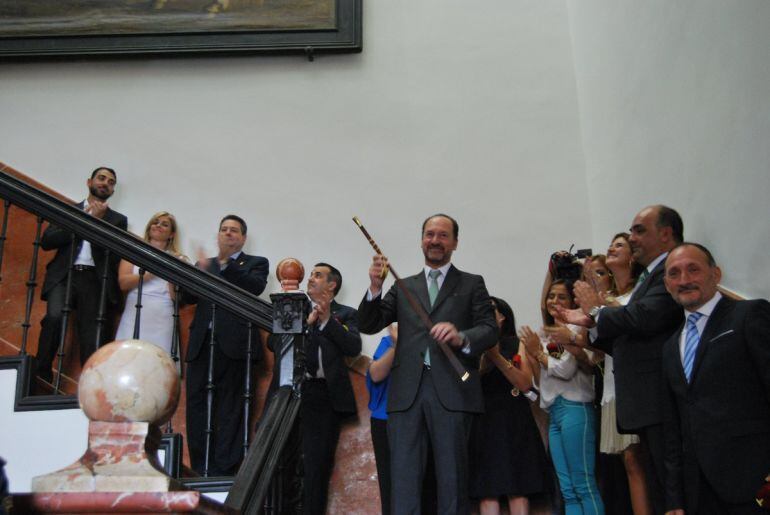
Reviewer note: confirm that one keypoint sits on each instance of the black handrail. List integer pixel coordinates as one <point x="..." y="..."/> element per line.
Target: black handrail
<point x="133" y="249"/>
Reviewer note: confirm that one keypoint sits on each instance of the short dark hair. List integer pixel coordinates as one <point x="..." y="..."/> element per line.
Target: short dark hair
<point x="668" y="217"/>
<point x="97" y="170"/>
<point x="237" y="219"/>
<point x="709" y="256"/>
<point x="455" y="226"/>
<point x="333" y="275"/>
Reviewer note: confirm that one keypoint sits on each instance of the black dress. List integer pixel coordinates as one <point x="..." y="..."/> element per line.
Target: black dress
<point x="507" y="455"/>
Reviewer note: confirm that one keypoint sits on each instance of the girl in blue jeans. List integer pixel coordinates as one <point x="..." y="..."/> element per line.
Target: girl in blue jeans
<point x="567" y="393"/>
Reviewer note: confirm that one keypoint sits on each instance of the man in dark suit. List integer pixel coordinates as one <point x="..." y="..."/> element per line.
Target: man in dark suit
<point x="634" y="335"/>
<point x="87" y="270"/>
<point x="427" y="401"/>
<point x="716" y="370"/>
<point x="327" y="395"/>
<point x="230" y="334"/>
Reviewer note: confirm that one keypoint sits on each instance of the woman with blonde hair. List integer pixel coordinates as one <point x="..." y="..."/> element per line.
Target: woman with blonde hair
<point x="156" y="316"/>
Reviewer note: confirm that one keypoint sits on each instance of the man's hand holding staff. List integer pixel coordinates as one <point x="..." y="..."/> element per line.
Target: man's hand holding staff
<point x="443" y="332"/>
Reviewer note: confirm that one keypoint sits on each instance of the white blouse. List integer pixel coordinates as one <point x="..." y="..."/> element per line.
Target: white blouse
<point x="563" y="377"/>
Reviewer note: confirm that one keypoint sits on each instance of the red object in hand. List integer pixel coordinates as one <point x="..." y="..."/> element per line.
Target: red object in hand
<point x="763" y="495"/>
<point x="290" y="269"/>
<point x="516" y="361"/>
<point x="554" y="349"/>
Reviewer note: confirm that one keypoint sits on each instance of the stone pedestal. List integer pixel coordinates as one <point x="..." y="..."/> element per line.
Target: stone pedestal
<point x="121" y="456"/>
<point x="75" y="503"/>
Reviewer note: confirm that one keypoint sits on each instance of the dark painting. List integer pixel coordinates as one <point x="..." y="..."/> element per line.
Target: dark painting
<point x="168" y="26"/>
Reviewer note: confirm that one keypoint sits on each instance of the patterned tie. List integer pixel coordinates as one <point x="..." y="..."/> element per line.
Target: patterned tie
<point x="432" y="294"/>
<point x="691" y="340"/>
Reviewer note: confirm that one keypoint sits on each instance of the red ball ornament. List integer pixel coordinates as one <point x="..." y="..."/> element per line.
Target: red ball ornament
<point x="290" y="269"/>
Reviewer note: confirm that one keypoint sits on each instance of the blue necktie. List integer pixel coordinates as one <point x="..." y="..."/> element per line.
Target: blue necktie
<point x="691" y="340"/>
<point x="432" y="294"/>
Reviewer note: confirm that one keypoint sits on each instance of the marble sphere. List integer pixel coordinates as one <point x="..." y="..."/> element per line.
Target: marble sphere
<point x="291" y="269"/>
<point x="129" y="381"/>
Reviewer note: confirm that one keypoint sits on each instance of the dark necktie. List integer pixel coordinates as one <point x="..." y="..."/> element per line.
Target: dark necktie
<point x="311" y="351"/>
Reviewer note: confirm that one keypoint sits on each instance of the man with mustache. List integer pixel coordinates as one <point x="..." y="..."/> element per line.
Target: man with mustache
<point x="634" y="335"/>
<point x="89" y="264"/>
<point x="428" y="404"/>
<point x="716" y="369"/>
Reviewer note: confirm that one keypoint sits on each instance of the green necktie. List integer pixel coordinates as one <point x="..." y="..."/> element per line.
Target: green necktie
<point x="642" y="276"/>
<point x="432" y="294"/>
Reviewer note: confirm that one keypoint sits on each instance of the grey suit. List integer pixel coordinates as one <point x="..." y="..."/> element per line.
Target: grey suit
<point x="432" y="405"/>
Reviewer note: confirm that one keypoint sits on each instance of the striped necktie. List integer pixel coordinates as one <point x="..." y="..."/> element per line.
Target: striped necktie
<point x="691" y="340"/>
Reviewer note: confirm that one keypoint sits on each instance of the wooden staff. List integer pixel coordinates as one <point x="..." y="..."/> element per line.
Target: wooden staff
<point x="417" y="307"/>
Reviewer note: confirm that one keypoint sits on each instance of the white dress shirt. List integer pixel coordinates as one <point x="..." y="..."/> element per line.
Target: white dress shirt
<point x="85" y="257"/>
<point x="563" y="377"/>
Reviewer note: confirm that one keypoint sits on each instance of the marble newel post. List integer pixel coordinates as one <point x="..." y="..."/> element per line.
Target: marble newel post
<point x="127" y="389"/>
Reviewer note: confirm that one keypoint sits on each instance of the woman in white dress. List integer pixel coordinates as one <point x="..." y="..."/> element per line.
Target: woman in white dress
<point x="156" y="320"/>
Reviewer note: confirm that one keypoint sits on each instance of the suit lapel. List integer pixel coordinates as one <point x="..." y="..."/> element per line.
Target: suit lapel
<point x="677" y="357"/>
<point x="450" y="283"/>
<point x="642" y="289"/>
<point x="419" y="286"/>
<point x="713" y="324"/>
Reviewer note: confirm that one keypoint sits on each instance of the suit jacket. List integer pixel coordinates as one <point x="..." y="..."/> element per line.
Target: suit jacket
<point x="634" y="335"/>
<point x="246" y="272"/>
<point x="462" y="300"/>
<point x="56" y="271"/>
<point x="719" y="423"/>
<point x="339" y="338"/>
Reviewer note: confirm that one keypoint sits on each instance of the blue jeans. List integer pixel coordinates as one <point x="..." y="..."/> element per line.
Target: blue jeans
<point x="572" y="441"/>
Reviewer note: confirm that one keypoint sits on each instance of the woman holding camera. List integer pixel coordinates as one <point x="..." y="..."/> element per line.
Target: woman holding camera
<point x="506" y="453"/>
<point x="567" y="392"/>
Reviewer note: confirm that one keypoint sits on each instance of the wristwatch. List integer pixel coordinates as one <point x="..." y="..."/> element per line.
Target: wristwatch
<point x="594" y="312"/>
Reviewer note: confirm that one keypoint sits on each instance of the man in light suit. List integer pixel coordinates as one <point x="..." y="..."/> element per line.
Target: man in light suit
<point x="717" y="392"/>
<point x="427" y="401"/>
<point x="327" y="394"/>
<point x="634" y="335"/>
<point x="231" y="340"/>
<point x="89" y="264"/>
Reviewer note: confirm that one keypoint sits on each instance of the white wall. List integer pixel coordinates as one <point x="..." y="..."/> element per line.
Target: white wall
<point x="451" y="107"/>
<point x="53" y="439"/>
<point x="673" y="109"/>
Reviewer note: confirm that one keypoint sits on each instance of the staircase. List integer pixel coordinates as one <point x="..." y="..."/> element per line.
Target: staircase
<point x="43" y="429"/>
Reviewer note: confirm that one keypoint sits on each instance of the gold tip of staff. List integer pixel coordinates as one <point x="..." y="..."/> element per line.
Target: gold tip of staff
<point x="357" y="221"/>
<point x="465" y="376"/>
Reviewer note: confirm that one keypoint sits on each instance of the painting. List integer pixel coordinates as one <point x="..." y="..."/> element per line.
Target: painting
<point x="51" y="28"/>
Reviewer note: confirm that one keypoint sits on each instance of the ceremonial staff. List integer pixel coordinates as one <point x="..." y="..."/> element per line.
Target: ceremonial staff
<point x="416" y="306"/>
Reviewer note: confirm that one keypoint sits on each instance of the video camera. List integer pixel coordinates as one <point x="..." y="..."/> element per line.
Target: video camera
<point x="568" y="266"/>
